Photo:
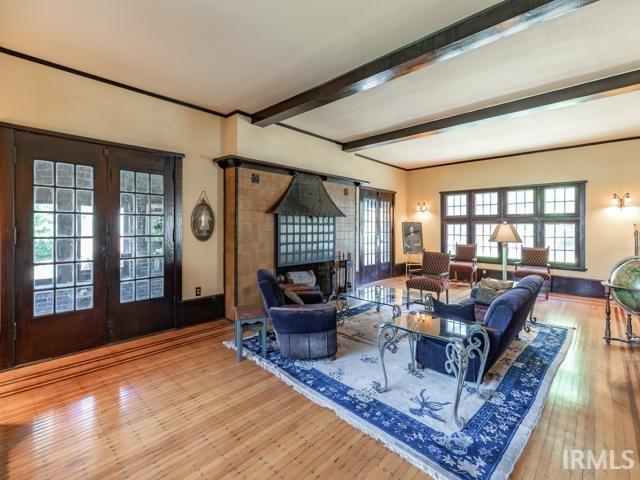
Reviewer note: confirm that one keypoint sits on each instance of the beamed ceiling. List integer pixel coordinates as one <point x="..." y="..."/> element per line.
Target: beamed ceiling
<point x="411" y="83"/>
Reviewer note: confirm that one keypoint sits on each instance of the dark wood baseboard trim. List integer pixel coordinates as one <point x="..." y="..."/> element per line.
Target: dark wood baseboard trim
<point x="199" y="310"/>
<point x="580" y="287"/>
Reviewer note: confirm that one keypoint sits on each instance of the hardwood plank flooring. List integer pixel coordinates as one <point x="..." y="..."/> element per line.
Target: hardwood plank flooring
<point x="187" y="410"/>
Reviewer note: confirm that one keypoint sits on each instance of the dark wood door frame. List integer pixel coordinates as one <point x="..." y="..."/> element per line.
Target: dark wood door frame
<point x="362" y="276"/>
<point x="8" y="230"/>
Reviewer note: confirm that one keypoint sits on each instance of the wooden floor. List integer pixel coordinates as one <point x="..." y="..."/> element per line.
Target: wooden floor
<point x="189" y="410"/>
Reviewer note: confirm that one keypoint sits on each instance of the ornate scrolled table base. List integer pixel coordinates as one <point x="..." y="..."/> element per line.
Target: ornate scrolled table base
<point x="458" y="351"/>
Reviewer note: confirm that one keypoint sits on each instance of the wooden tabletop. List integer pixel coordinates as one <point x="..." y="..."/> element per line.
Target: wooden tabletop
<point x="249" y="311"/>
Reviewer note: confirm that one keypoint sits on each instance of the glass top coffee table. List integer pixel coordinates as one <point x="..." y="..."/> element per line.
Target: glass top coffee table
<point x="465" y="340"/>
<point x="379" y="295"/>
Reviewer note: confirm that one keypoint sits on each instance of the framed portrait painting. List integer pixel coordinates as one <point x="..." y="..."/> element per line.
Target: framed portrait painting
<point x="412" y="237"/>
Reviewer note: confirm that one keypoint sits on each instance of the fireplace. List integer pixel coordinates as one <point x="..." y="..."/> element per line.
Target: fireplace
<point x="324" y="272"/>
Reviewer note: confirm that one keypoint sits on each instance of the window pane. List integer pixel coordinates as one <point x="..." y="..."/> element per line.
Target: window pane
<point x="142" y="225"/>
<point x="157" y="246"/>
<point x="84" y="201"/>
<point x="142" y="182"/>
<point x="127" y="271"/>
<point x="64" y="224"/>
<point x="84" y="298"/>
<point x="42" y="172"/>
<point x="127" y="225"/>
<point x="156" y="226"/>
<point x="127" y="247"/>
<point x="560" y="200"/>
<point x="65" y="175"/>
<point x="43" y="199"/>
<point x="84" y="225"/>
<point x="142" y="204"/>
<point x="561" y="240"/>
<point x="157" y="184"/>
<point x="42" y="276"/>
<point x="527" y="234"/>
<point x="64" y="300"/>
<point x="127" y="292"/>
<point x="127" y="181"/>
<point x="486" y="203"/>
<point x="84" y="176"/>
<point x="520" y="202"/>
<point x="142" y="246"/>
<point x="43" y="303"/>
<point x="156" y="267"/>
<point x="64" y="250"/>
<point x="84" y="249"/>
<point x="127" y="203"/>
<point x="64" y="199"/>
<point x="156" y="287"/>
<point x="456" y="205"/>
<point x="142" y="289"/>
<point x="483" y="233"/>
<point x="84" y="273"/>
<point x="456" y="233"/>
<point x="42" y="224"/>
<point x="42" y="250"/>
<point x="64" y="275"/>
<point x="142" y="267"/>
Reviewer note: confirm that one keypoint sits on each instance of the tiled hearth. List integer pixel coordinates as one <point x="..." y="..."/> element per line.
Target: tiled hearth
<point x="250" y="228"/>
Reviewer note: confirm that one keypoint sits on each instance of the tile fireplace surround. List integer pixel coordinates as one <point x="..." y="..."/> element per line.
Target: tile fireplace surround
<point x="250" y="228"/>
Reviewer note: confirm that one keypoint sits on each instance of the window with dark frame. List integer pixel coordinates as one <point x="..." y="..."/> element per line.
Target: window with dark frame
<point x="546" y="215"/>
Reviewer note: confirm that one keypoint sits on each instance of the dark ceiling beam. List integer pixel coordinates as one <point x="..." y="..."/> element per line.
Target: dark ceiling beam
<point x="484" y="27"/>
<point x="584" y="92"/>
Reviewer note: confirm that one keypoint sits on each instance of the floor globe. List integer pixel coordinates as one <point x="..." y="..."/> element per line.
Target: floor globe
<point x="625" y="284"/>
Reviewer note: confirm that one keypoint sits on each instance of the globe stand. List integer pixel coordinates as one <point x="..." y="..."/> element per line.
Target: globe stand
<point x="608" y="293"/>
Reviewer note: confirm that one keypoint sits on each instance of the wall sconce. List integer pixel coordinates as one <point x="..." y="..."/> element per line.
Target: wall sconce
<point x="621" y="201"/>
<point x="422" y="207"/>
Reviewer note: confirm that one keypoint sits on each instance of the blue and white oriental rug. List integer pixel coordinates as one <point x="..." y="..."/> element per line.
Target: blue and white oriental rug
<point x="414" y="418"/>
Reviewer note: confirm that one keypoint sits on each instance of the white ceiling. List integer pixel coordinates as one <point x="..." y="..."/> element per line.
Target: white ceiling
<point x="249" y="54"/>
<point x="595" y="41"/>
<point x="221" y="54"/>
<point x="608" y="118"/>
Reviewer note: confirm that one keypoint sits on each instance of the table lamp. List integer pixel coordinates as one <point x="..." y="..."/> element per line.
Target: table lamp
<point x="505" y="233"/>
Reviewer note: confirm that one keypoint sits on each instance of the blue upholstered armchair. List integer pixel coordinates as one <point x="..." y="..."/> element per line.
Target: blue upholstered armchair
<point x="504" y="320"/>
<point x="303" y="331"/>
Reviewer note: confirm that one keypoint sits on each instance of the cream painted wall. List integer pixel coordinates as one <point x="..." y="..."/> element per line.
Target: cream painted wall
<point x="37" y="96"/>
<point x="288" y="147"/>
<point x="608" y="168"/>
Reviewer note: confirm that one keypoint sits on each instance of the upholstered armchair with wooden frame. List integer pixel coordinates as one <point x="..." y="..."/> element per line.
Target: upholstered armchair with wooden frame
<point x="434" y="276"/>
<point x="535" y="261"/>
<point x="465" y="264"/>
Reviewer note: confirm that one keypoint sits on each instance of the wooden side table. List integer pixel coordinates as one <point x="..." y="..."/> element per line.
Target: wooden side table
<point x="252" y="318"/>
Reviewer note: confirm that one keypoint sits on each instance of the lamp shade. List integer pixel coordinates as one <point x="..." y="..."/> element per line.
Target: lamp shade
<point x="505" y="232"/>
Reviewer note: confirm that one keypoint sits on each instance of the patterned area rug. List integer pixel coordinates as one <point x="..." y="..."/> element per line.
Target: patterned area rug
<point x="414" y="418"/>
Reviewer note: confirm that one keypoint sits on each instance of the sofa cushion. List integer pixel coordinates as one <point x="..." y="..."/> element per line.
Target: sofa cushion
<point x="454" y="311"/>
<point x="490" y="289"/>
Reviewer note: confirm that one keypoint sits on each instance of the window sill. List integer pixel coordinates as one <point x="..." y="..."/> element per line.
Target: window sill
<point x="572" y="268"/>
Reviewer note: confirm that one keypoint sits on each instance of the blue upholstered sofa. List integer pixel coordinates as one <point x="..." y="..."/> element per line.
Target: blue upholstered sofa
<point x="504" y="320"/>
<point x="303" y="331"/>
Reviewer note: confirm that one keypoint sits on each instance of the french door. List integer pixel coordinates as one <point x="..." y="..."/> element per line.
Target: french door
<point x="61" y="250"/>
<point x="94" y="250"/>
<point x="376" y="235"/>
<point x="141" y="246"/>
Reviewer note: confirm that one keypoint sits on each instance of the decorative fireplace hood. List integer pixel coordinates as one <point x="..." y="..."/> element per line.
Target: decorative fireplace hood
<point x="307" y="196"/>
